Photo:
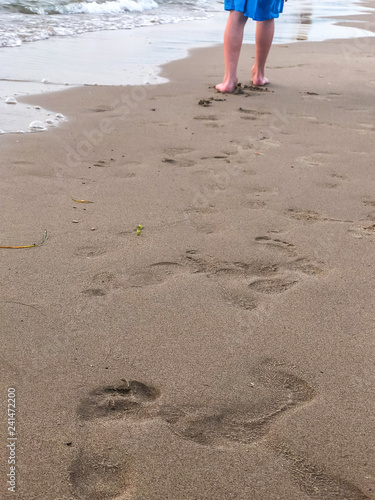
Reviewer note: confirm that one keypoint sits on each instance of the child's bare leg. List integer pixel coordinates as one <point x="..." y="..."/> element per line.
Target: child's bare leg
<point x="233" y="36"/>
<point x="263" y="41"/>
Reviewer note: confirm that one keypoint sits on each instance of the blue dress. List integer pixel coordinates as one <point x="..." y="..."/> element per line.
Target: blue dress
<point x="259" y="10"/>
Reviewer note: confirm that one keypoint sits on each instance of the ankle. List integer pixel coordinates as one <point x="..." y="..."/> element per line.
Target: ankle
<point x="257" y="71"/>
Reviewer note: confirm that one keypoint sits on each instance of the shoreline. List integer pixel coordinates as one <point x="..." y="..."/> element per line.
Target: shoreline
<point x="66" y="58"/>
<point x="241" y="317"/>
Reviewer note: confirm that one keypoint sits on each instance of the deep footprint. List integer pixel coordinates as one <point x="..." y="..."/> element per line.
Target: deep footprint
<point x="223" y="427"/>
<point x="218" y="429"/>
<point x="118" y="401"/>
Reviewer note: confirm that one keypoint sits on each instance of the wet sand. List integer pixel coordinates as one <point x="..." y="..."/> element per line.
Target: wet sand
<point x="225" y="352"/>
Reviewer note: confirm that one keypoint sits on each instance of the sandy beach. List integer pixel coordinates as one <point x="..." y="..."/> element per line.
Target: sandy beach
<point x="226" y="351"/>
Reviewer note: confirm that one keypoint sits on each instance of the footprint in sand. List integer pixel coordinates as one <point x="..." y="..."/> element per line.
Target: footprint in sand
<point x="249" y="423"/>
<point x="125" y="399"/>
<point x="136" y="400"/>
<point x="155" y="274"/>
<point x="242" y="284"/>
<point x="107" y="474"/>
<point x="228" y="426"/>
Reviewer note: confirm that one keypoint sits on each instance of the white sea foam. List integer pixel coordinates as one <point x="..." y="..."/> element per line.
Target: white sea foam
<point x="10" y="100"/>
<point x="37" y="126"/>
<point x="114" y="7"/>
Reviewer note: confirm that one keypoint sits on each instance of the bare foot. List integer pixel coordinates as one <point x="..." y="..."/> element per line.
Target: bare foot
<point x="227" y="86"/>
<point x="258" y="79"/>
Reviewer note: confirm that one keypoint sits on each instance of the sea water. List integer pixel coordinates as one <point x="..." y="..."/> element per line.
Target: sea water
<point x="30" y="20"/>
<point x="24" y="21"/>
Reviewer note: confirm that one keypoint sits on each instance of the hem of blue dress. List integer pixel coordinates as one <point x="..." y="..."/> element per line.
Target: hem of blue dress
<point x="274" y="16"/>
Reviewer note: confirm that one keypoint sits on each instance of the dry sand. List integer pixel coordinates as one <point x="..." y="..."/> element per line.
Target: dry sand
<point x="241" y="318"/>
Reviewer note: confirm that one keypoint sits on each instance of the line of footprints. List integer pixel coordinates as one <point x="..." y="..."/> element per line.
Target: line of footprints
<point x="213" y="427"/>
<point x="242" y="284"/>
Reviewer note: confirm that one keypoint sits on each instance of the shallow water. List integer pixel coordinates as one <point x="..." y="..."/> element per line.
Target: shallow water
<point x="19" y="117"/>
<point x="313" y="20"/>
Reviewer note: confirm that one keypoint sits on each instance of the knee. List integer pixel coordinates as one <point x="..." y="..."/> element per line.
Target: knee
<point x="238" y="17"/>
